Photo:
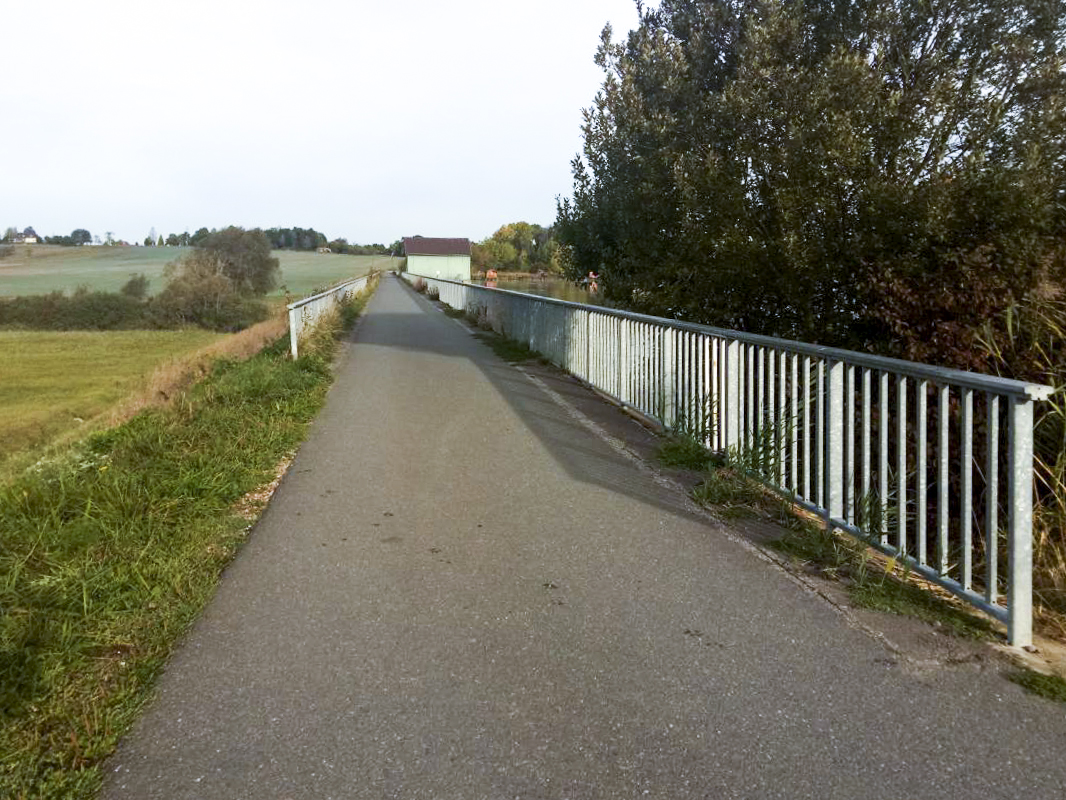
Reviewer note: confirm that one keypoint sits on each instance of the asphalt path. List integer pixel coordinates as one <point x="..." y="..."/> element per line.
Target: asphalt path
<point x="461" y="591"/>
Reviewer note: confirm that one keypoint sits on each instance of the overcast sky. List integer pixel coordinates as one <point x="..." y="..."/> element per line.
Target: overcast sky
<point x="367" y="120"/>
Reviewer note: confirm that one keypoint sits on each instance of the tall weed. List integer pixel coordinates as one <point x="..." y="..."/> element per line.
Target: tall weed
<point x="1029" y="343"/>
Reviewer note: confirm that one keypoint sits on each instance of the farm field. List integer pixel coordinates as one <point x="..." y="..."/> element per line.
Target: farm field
<point x="53" y="381"/>
<point x="303" y="272"/>
<point x="40" y="269"/>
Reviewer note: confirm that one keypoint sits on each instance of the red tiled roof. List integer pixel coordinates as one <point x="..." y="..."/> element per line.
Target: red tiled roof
<point x="424" y="246"/>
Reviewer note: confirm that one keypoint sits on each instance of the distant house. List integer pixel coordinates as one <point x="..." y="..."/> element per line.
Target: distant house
<point x="438" y="258"/>
<point x="28" y="236"/>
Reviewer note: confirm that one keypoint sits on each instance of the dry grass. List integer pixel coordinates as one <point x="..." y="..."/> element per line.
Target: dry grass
<point x="176" y="375"/>
<point x="61" y="393"/>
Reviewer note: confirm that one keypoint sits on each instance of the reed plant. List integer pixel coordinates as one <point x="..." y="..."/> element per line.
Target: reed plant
<point x="1028" y="342"/>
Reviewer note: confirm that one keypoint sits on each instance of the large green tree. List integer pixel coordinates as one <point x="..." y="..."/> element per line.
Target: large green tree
<point x="517" y="246"/>
<point x="844" y="171"/>
<point x="242" y="257"/>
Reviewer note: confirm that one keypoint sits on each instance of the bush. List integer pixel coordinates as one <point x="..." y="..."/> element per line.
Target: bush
<point x="84" y="310"/>
<point x="136" y="287"/>
<point x="206" y="300"/>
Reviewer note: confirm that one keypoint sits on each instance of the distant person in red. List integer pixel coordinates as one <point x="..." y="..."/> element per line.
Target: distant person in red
<point x="490" y="278"/>
<point x="593" y="282"/>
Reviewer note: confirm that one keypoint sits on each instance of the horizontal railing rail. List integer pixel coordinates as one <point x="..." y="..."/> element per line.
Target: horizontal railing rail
<point x="933" y="466"/>
<point x="303" y="314"/>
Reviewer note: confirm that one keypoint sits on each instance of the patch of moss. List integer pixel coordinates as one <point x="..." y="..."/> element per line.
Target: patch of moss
<point x="894" y="596"/>
<point x="1051" y="687"/>
<point x="510" y="351"/>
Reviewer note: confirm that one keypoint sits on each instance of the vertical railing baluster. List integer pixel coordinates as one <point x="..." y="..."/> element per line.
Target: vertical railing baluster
<point x="883" y="461"/>
<point x="749" y="398"/>
<point x="921" y="470"/>
<point x="942" y="508"/>
<point x="834" y="420"/>
<point x="794" y="423"/>
<point x="760" y="405"/>
<point x="992" y="505"/>
<point x="781" y="422"/>
<point x="849" y="446"/>
<point x="732" y="393"/>
<point x="864" y="500"/>
<point x="901" y="465"/>
<point x="807" y="435"/>
<point x="819" y="439"/>
<point x="966" y="488"/>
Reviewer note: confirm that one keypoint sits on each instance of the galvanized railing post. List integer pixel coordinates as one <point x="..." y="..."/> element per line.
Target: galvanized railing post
<point x="731" y="394"/>
<point x="1020" y="591"/>
<point x="833" y="473"/>
<point x="294" y="333"/>
<point x="669" y="385"/>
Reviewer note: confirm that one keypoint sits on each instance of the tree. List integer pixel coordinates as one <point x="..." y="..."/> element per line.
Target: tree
<point x="136" y="287"/>
<point x="296" y="238"/>
<point x="215" y="285"/>
<point x="172" y="240"/>
<point x="80" y="236"/>
<point x="516" y="246"/>
<point x="241" y="257"/>
<point x="851" y="173"/>
<point x="148" y="241"/>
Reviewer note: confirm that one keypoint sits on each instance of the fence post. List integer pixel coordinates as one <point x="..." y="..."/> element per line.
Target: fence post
<point x="1020" y="591"/>
<point x="669" y="375"/>
<point x="833" y="472"/>
<point x="731" y="393"/>
<point x="294" y="334"/>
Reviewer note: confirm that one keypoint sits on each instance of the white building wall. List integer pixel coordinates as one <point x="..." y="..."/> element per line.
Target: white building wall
<point x="455" y="268"/>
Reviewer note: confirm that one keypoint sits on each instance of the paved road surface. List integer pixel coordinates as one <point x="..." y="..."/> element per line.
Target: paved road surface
<point x="460" y="592"/>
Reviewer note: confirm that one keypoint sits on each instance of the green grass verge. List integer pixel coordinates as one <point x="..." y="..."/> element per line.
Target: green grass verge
<point x="510" y="351"/>
<point x="685" y="452"/>
<point x="871" y="582"/>
<point x="879" y="585"/>
<point x="1051" y="687"/>
<point x="54" y="381"/>
<point x="111" y="551"/>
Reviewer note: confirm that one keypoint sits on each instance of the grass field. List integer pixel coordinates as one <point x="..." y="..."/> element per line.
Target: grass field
<point x="113" y="546"/>
<point x="39" y="269"/>
<point x="55" y="382"/>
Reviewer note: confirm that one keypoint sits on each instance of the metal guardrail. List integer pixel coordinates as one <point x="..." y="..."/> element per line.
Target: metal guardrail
<point x="304" y="313"/>
<point x="932" y="466"/>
